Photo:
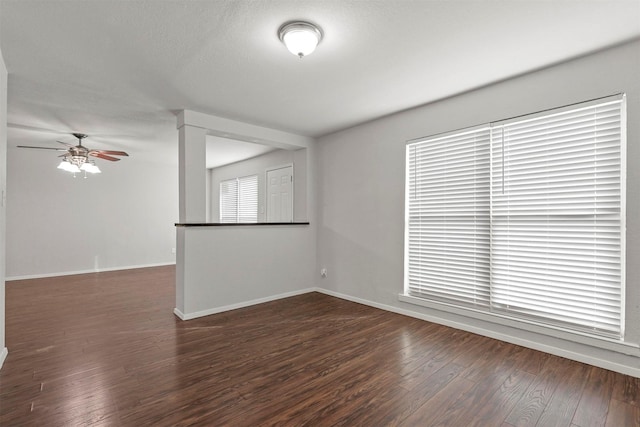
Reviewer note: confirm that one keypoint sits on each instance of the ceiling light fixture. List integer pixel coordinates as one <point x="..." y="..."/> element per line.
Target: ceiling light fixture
<point x="301" y="38"/>
<point x="76" y="164"/>
<point x="76" y="159"/>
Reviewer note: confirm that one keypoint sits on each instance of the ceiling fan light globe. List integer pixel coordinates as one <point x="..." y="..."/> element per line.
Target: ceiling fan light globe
<point x="90" y="167"/>
<point x="63" y="165"/>
<point x="66" y="166"/>
<point x="73" y="168"/>
<point x="87" y="167"/>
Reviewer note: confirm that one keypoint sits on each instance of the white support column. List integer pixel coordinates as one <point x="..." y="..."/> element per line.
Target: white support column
<point x="192" y="156"/>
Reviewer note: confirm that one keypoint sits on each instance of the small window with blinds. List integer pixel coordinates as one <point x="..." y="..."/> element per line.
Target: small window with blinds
<point x="523" y="218"/>
<point x="239" y="200"/>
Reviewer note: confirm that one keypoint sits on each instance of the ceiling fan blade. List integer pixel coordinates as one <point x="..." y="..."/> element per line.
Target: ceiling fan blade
<point x="42" y="148"/>
<point x="103" y="156"/>
<point x="66" y="143"/>
<point x="112" y="152"/>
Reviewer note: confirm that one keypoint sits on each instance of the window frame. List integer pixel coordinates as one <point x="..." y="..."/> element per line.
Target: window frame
<point x="492" y="315"/>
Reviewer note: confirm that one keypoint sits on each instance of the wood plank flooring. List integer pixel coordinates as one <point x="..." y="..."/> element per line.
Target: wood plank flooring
<point x="106" y="350"/>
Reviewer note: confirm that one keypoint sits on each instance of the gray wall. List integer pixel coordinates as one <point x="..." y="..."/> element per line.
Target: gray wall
<point x="361" y="193"/>
<point x="57" y="224"/>
<point x="231" y="267"/>
<point x="258" y="166"/>
<point x="3" y="168"/>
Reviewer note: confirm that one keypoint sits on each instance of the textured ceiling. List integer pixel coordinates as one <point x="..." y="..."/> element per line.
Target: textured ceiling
<point x="119" y="70"/>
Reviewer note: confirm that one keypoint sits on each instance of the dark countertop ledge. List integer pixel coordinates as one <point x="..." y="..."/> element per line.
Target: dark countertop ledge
<point x="229" y="224"/>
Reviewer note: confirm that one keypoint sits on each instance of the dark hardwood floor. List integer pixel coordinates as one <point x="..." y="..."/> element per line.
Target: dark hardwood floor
<point x="106" y="350"/>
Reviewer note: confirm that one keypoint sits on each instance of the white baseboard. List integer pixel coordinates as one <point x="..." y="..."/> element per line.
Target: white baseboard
<point x="99" y="270"/>
<point x="3" y="355"/>
<point x="196" y="314"/>
<point x="179" y="314"/>
<point x="579" y="357"/>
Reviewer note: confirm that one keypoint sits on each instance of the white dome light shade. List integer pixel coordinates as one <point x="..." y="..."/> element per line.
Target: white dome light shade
<point x="301" y="38"/>
<point x="90" y="167"/>
<point x="69" y="167"/>
<point x="300" y="42"/>
<point x="76" y="164"/>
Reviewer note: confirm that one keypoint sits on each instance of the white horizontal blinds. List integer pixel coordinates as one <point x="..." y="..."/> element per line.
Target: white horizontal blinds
<point x="448" y="218"/>
<point x="248" y="199"/>
<point x="239" y="200"/>
<point x="555" y="217"/>
<point x="229" y="200"/>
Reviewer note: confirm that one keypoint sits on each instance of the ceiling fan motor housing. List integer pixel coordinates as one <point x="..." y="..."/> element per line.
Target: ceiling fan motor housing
<point x="79" y="159"/>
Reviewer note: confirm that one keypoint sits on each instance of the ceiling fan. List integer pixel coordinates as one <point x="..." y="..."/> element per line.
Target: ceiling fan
<point x="76" y="158"/>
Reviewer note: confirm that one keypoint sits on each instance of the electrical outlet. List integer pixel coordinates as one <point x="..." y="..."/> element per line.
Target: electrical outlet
<point x="173" y="250"/>
<point x="323" y="272"/>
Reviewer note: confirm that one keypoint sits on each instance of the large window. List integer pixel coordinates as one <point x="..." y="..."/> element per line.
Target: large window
<point x="523" y="218"/>
<point x="239" y="200"/>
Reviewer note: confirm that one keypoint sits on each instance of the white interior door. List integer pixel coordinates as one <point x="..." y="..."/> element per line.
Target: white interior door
<point x="280" y="195"/>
